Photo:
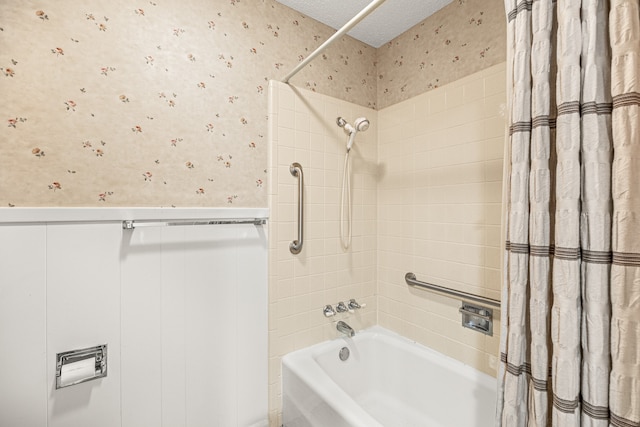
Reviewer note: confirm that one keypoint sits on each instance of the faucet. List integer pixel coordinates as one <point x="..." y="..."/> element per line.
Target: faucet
<point x="345" y="329"/>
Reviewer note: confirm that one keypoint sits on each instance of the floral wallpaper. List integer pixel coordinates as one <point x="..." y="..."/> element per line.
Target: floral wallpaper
<point x="154" y="103"/>
<point x="164" y="103"/>
<point x="460" y="39"/>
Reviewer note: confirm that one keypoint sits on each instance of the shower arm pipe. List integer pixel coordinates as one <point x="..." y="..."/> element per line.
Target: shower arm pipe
<point x="342" y="31"/>
<point x="411" y="280"/>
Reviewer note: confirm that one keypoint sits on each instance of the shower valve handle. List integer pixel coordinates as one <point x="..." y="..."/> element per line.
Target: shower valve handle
<point x="328" y="311"/>
<point x="354" y="305"/>
<point x="341" y="307"/>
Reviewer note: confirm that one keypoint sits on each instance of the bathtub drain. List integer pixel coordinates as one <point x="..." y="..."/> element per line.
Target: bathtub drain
<point x="344" y="353"/>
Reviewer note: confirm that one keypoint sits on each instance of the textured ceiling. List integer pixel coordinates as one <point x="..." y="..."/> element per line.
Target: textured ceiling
<point x="387" y="22"/>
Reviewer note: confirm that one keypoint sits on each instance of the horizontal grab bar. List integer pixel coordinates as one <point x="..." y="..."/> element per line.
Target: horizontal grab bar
<point x="411" y="280"/>
<point x="130" y="225"/>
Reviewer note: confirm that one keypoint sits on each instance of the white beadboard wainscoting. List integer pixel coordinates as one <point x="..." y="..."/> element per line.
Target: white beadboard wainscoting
<point x="183" y="310"/>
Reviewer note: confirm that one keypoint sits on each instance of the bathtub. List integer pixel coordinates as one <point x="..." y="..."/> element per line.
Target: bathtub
<point x="387" y="381"/>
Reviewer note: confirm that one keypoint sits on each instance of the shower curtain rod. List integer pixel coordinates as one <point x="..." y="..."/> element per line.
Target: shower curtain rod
<point x="349" y="25"/>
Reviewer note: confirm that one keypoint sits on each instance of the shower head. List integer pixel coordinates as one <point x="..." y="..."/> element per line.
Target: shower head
<point x="362" y="124"/>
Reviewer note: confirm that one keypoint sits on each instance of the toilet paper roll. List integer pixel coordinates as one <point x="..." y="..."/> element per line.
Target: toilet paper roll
<point x="77" y="371"/>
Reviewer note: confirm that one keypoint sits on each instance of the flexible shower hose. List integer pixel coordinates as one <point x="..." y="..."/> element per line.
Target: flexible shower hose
<point x="345" y="235"/>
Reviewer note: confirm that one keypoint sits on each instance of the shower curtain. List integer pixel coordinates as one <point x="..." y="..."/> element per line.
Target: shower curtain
<point x="570" y="343"/>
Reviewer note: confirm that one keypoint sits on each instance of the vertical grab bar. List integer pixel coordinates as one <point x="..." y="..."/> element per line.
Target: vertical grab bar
<point x="296" y="170"/>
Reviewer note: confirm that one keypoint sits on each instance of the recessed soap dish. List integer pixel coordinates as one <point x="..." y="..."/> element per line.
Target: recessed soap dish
<point x="477" y="318"/>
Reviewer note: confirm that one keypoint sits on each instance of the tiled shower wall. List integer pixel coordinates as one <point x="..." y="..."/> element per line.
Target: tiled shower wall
<point x="303" y="129"/>
<point x="427" y="199"/>
<point x="439" y="208"/>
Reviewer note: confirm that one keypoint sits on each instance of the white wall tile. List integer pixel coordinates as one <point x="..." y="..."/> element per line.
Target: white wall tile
<point x="454" y="206"/>
<point x="495" y="82"/>
<point x="323" y="272"/>
<point x="426" y="194"/>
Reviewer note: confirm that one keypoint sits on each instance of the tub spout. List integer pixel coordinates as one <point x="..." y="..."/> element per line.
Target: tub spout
<point x="345" y="329"/>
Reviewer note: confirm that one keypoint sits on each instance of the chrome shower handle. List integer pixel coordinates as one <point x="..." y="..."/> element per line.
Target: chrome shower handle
<point x="341" y="307"/>
<point x="296" y="170"/>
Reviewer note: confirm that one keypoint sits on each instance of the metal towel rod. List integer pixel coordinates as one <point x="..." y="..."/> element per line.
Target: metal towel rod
<point x="130" y="225"/>
<point x="411" y="280"/>
<point x="296" y="170"/>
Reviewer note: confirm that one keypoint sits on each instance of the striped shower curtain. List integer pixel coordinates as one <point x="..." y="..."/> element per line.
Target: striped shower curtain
<point x="570" y="343"/>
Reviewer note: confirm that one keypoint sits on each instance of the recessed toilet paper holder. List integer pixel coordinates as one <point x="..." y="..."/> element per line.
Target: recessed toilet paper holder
<point x="78" y="366"/>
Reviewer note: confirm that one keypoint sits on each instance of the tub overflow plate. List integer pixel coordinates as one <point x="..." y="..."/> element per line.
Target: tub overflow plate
<point x="344" y="353"/>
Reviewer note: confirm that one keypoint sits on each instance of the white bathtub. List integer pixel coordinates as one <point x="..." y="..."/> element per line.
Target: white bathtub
<point x="388" y="381"/>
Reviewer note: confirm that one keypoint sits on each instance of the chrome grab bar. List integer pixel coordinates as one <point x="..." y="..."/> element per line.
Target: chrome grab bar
<point x="411" y="280"/>
<point x="296" y="170"/>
